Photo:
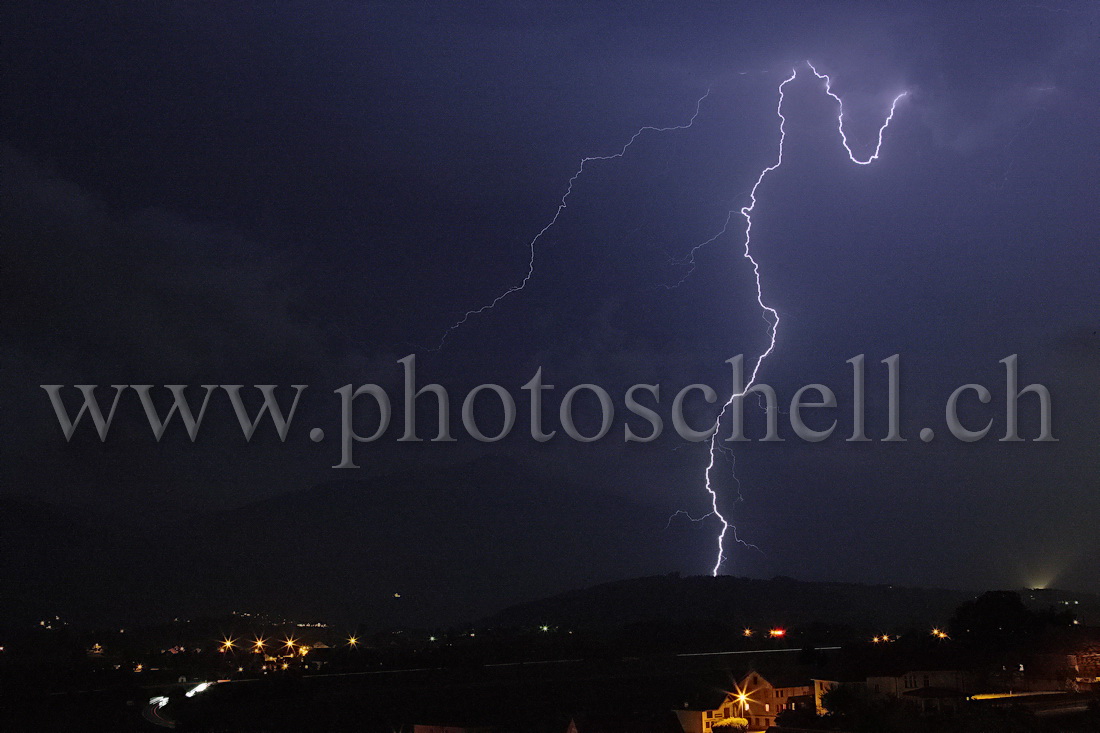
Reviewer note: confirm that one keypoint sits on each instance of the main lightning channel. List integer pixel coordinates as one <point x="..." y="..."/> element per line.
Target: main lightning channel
<point x="557" y="213"/>
<point x="770" y="314"/>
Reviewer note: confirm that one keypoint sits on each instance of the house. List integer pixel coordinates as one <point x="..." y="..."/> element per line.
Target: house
<point x="930" y="690"/>
<point x="895" y="685"/>
<point x="756" y="698"/>
<point x="1086" y="666"/>
<point x="1066" y="659"/>
<point x="934" y="699"/>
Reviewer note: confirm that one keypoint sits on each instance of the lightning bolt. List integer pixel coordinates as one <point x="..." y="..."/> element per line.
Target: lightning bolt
<point x="770" y="314"/>
<point x="531" y="246"/>
<point x="840" y="119"/>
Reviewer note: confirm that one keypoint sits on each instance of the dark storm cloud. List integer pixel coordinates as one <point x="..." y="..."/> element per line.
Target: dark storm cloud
<point x="303" y="195"/>
<point x="125" y="293"/>
<point x="95" y="295"/>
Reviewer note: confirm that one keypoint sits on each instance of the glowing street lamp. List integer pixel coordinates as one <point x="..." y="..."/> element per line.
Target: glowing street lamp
<point x="743" y="699"/>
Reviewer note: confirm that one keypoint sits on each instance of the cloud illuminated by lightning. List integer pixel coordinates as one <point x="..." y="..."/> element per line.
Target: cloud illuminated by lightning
<point x="531" y="246"/>
<point x="770" y="314"/>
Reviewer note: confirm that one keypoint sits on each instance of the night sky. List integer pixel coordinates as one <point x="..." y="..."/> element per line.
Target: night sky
<point x="305" y="193"/>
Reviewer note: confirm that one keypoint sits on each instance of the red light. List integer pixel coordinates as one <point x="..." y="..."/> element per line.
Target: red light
<point x="778" y="632"/>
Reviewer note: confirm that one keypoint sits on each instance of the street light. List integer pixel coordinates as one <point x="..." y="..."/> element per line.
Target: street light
<point x="743" y="698"/>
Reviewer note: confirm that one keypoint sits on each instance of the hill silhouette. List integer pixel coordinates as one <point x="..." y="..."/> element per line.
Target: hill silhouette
<point x="418" y="548"/>
<point x="752" y="602"/>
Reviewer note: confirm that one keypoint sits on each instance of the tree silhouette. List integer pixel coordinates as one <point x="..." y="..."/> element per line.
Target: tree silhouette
<point x="999" y="619"/>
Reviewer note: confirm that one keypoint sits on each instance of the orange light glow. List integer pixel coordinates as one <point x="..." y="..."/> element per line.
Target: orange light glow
<point x="777" y="633"/>
<point x="743" y="698"/>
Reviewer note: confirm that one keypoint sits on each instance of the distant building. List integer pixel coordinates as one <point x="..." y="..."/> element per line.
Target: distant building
<point x="929" y="690"/>
<point x="1067" y="660"/>
<point x="1086" y="667"/>
<point x="896" y="685"/>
